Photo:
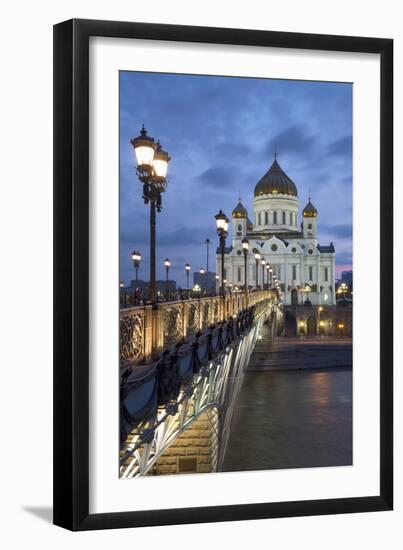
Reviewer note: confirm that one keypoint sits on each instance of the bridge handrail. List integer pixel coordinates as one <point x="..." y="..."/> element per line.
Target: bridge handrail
<point x="145" y="331"/>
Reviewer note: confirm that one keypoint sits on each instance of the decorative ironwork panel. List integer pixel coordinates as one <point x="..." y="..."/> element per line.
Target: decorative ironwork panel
<point x="172" y="324"/>
<point x="205" y="312"/>
<point x="132" y="336"/>
<point x="192" y="318"/>
<point x="216" y="311"/>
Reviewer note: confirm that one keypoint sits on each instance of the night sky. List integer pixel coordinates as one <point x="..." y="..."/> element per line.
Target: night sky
<point x="221" y="133"/>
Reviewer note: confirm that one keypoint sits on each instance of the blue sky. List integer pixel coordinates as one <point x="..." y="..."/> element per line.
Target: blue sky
<point x="221" y="133"/>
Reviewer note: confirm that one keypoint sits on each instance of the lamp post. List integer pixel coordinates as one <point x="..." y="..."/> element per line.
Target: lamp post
<point x="268" y="275"/>
<point x="320" y="323"/>
<point x="187" y="269"/>
<point x="207" y="241"/>
<point x="202" y="271"/>
<point x="151" y="166"/>
<point x="136" y="259"/>
<point x="245" y="250"/>
<point x="217" y="283"/>
<point x="222" y="230"/>
<point x="343" y="289"/>
<point x="167" y="265"/>
<point x="122" y="293"/>
<point x="307" y="290"/>
<point x="257" y="258"/>
<point x="196" y="290"/>
<point x="263" y="270"/>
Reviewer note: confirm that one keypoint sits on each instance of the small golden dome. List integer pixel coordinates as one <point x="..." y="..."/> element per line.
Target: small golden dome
<point x="239" y="211"/>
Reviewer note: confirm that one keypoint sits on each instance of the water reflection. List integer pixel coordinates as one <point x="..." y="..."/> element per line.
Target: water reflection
<point x="291" y="419"/>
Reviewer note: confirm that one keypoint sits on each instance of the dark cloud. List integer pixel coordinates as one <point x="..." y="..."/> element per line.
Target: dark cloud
<point x="294" y="139"/>
<point x="218" y="176"/>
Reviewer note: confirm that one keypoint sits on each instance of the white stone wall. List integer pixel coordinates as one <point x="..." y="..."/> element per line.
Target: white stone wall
<point x="300" y="257"/>
<point x="270" y="209"/>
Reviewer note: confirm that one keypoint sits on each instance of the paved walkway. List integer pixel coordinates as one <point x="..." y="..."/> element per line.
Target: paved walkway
<point x="297" y="353"/>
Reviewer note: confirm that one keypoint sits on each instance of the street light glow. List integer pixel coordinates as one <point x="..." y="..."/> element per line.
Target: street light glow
<point x="136" y="256"/>
<point x="222" y="222"/>
<point x="160" y="162"/>
<point x="144" y="147"/>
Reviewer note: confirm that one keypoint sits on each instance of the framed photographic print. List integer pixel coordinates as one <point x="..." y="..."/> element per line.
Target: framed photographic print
<point x="223" y="274"/>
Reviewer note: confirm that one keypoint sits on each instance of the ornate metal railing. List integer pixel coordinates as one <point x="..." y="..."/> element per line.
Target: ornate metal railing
<point x="188" y="379"/>
<point x="145" y="331"/>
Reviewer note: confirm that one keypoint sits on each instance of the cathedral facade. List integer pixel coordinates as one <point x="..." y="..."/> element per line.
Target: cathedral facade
<point x="304" y="268"/>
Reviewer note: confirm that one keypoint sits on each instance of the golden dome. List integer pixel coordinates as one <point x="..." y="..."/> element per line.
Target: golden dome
<point x="275" y="181"/>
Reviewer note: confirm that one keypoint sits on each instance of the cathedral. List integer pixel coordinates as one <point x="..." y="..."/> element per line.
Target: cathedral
<point x="304" y="269"/>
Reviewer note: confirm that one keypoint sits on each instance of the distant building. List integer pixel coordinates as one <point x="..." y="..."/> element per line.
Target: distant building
<point x="292" y="250"/>
<point x="206" y="281"/>
<point x="347" y="278"/>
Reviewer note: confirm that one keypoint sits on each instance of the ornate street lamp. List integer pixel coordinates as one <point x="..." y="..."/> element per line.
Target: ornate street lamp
<point x="257" y="258"/>
<point x="167" y="265"/>
<point x="307" y="290"/>
<point x="202" y="271"/>
<point x="151" y="165"/>
<point x="222" y="230"/>
<point x="217" y="283"/>
<point x="122" y="293"/>
<point x="196" y="290"/>
<point x="263" y="270"/>
<point x="343" y="289"/>
<point x="136" y="259"/>
<point x="187" y="269"/>
<point x="245" y="250"/>
<point x="207" y="241"/>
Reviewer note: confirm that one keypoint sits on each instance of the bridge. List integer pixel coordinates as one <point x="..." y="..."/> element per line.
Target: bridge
<point x="181" y="370"/>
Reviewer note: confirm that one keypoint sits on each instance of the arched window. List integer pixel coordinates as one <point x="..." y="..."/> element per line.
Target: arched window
<point x="259" y="220"/>
<point x="239" y="274"/>
<point x="266" y="218"/>
<point x="309" y="226"/>
<point x="284" y="222"/>
<point x="290" y="218"/>
<point x="294" y="272"/>
<point x="274" y="217"/>
<point x="239" y="231"/>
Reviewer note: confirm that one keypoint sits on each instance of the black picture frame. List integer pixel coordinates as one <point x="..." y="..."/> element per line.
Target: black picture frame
<point x="71" y="274"/>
